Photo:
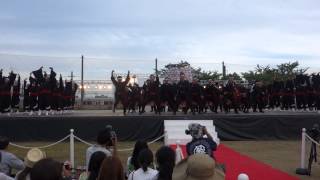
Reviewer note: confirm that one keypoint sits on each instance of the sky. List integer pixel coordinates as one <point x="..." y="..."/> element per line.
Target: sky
<point x="129" y="34"/>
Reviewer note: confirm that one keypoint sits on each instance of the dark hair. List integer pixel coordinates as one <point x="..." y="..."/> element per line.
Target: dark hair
<point x="111" y="169"/>
<point x="95" y="164"/>
<point x="24" y="173"/>
<point x="145" y="159"/>
<point x="166" y="158"/>
<point x="104" y="137"/>
<point x="4" y="142"/>
<point x="140" y="145"/>
<point x="46" y="169"/>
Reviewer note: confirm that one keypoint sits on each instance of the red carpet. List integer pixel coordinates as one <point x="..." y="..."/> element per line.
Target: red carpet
<point x="237" y="163"/>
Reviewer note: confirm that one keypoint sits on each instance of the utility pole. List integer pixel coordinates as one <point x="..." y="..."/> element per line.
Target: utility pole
<point x="223" y="69"/>
<point x="156" y="63"/>
<point x="82" y="87"/>
<point x="71" y="75"/>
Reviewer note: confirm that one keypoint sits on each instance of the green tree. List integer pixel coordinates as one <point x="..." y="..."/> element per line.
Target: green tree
<point x="206" y="75"/>
<point x="235" y="76"/>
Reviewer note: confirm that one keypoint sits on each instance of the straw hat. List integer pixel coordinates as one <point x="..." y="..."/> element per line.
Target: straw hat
<point x="33" y="156"/>
<point x="197" y="166"/>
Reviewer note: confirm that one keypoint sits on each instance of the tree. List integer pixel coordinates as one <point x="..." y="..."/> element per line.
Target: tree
<point x="235" y="76"/>
<point x="282" y="72"/>
<point x="206" y="75"/>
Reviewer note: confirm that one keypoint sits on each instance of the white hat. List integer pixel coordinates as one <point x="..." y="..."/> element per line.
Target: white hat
<point x="33" y="156"/>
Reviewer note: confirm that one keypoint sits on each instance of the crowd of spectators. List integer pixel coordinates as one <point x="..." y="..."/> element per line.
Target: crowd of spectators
<point x="103" y="162"/>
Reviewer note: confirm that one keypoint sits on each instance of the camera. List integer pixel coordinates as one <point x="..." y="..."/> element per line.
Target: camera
<point x="113" y="134"/>
<point x="195" y="130"/>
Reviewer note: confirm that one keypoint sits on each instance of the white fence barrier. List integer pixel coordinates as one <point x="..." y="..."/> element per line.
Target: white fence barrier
<point x="302" y="170"/>
<point x="73" y="137"/>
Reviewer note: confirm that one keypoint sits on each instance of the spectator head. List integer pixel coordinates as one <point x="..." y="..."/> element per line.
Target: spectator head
<point x="182" y="76"/>
<point x="198" y="166"/>
<point x="104" y="137"/>
<point x="152" y="77"/>
<point x="111" y="169"/>
<point x="46" y="169"/>
<point x="165" y="160"/>
<point x="140" y="145"/>
<point x="145" y="159"/>
<point x="4" y="142"/>
<point x="95" y="164"/>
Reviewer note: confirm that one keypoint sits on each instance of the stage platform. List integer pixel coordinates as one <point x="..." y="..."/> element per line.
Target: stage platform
<point x="270" y="125"/>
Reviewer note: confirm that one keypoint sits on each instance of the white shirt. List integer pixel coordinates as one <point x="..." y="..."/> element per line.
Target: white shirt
<point x="93" y="149"/>
<point x="5" y="177"/>
<point x="139" y="174"/>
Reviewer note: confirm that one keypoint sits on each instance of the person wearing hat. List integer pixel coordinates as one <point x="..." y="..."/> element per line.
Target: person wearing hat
<point x="33" y="156"/>
<point x="8" y="161"/>
<point x="197" y="166"/>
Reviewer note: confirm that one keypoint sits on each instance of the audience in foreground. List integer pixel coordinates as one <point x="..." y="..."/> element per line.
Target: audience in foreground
<point x="132" y="162"/>
<point x="34" y="155"/>
<point x="8" y="161"/>
<point x="5" y="177"/>
<point x="165" y="157"/>
<point x="197" y="166"/>
<point x="47" y="169"/>
<point x="144" y="172"/>
<point x="111" y="169"/>
<point x="104" y="140"/>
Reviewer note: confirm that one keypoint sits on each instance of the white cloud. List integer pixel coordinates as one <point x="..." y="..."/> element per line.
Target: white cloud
<point x="133" y="33"/>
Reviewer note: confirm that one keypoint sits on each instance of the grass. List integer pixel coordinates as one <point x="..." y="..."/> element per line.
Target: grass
<point x="282" y="155"/>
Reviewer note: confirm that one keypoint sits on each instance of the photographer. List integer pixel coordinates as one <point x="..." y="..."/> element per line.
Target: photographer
<point x="200" y="144"/>
<point x="106" y="140"/>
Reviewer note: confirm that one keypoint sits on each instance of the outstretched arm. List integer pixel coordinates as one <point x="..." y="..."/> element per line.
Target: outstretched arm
<point x="128" y="78"/>
<point x="112" y="78"/>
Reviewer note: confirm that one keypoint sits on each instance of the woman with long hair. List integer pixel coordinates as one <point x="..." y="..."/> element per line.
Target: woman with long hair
<point x="144" y="172"/>
<point x="133" y="163"/>
<point x="111" y="169"/>
<point x="165" y="161"/>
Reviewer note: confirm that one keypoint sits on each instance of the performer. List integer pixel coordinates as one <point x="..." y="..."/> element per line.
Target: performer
<point x="258" y="97"/>
<point x="1" y="90"/>
<point x="197" y="96"/>
<point x="211" y="93"/>
<point x="167" y="95"/>
<point x="6" y="92"/>
<point x="56" y="100"/>
<point x="44" y="95"/>
<point x="229" y="96"/>
<point x="288" y="95"/>
<point x="26" y="96"/>
<point x="183" y="94"/>
<point x="275" y="93"/>
<point x="15" y="98"/>
<point x="134" y="96"/>
<point x="121" y="92"/>
<point x="152" y="94"/>
<point x="33" y="95"/>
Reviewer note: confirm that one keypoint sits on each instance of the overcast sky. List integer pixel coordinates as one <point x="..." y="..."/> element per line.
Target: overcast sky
<point x="130" y="34"/>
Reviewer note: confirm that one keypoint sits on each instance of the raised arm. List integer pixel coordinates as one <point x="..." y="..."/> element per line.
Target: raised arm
<point x="112" y="78"/>
<point x="128" y="78"/>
